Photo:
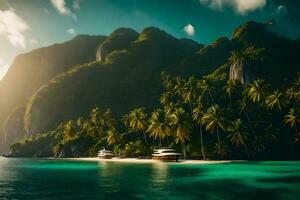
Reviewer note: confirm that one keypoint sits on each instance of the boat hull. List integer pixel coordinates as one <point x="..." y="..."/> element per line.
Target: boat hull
<point x="106" y="157"/>
<point x="167" y="158"/>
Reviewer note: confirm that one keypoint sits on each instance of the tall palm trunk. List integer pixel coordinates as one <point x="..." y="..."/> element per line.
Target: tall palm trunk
<point x="246" y="150"/>
<point x="250" y="124"/>
<point x="218" y="135"/>
<point x="145" y="138"/>
<point x="201" y="141"/>
<point x="183" y="146"/>
<point x="191" y="108"/>
<point x="219" y="141"/>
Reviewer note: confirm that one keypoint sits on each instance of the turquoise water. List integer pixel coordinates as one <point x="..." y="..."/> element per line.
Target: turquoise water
<point x="62" y="179"/>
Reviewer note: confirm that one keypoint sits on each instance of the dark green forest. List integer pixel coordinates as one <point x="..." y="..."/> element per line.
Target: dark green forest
<point x="208" y="118"/>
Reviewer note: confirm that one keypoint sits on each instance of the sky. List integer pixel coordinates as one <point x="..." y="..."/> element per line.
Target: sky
<point x="30" y="24"/>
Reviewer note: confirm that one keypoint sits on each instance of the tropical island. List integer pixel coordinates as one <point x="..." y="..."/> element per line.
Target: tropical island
<point x="237" y="98"/>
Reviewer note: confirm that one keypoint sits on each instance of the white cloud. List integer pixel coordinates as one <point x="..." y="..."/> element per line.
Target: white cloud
<point x="71" y="31"/>
<point x="241" y="7"/>
<point x="13" y="26"/>
<point x="189" y="29"/>
<point x="63" y="9"/>
<point x="281" y="10"/>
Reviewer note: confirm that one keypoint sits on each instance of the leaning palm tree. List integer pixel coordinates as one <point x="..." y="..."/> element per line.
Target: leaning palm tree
<point x="198" y="113"/>
<point x="275" y="100"/>
<point x="292" y="119"/>
<point x="238" y="135"/>
<point x="181" y="125"/>
<point x="136" y="121"/>
<point x="258" y="91"/>
<point x="158" y="126"/>
<point x="214" y="121"/>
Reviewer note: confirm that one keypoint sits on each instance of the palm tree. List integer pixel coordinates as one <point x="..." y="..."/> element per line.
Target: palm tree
<point x="221" y="149"/>
<point x="137" y="121"/>
<point x="213" y="121"/>
<point x="259" y="144"/>
<point x="164" y="98"/>
<point x="188" y="93"/>
<point x="244" y="109"/>
<point x="181" y="125"/>
<point x="238" y="135"/>
<point x="113" y="137"/>
<point x="197" y="117"/>
<point x="292" y="118"/>
<point x="95" y="118"/>
<point x="258" y="91"/>
<point x="229" y="88"/>
<point x="179" y="85"/>
<point x="206" y="87"/>
<point x="158" y="125"/>
<point x="170" y="108"/>
<point x="275" y="100"/>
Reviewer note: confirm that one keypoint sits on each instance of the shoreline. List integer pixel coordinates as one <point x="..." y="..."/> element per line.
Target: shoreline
<point x="137" y="160"/>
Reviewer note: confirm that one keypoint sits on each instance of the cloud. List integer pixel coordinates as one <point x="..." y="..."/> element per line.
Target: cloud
<point x="189" y="30"/>
<point x="13" y="27"/>
<point x="71" y="31"/>
<point x="241" y="7"/>
<point x="281" y="10"/>
<point x="63" y="9"/>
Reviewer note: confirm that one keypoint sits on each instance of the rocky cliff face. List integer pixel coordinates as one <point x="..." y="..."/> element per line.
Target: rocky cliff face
<point x="239" y="71"/>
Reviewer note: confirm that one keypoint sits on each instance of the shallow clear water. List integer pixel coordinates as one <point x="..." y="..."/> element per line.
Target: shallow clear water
<point x="64" y="179"/>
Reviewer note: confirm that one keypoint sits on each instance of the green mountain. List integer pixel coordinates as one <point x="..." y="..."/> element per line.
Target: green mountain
<point x="31" y="70"/>
<point x="123" y="71"/>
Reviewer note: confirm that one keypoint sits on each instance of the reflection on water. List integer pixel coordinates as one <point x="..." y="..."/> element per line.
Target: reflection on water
<point x="65" y="179"/>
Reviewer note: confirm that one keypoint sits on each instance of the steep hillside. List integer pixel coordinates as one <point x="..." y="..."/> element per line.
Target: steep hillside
<point x="128" y="78"/>
<point x="280" y="57"/>
<point x="31" y="70"/>
<point x="127" y="73"/>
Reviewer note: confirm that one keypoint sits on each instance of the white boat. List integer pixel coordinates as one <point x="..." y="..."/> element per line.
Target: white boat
<point x="165" y="154"/>
<point x="105" y="154"/>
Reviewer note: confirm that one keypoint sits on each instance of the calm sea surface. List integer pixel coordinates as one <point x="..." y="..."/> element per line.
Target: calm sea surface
<point x="61" y="179"/>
